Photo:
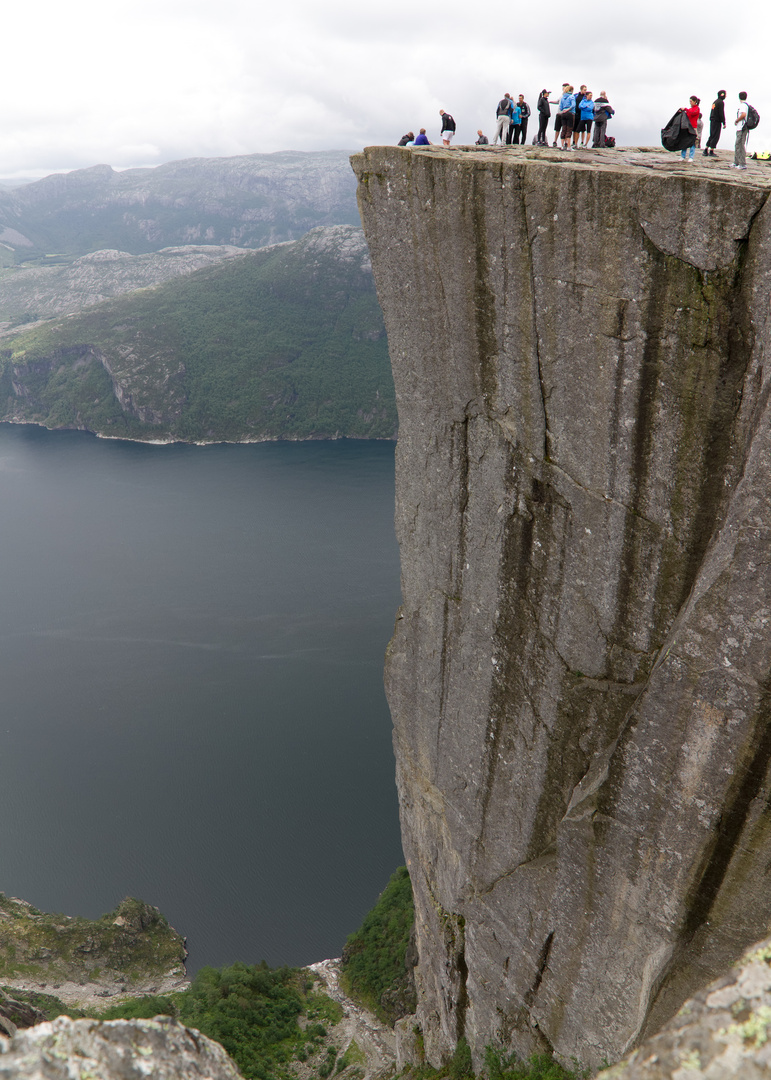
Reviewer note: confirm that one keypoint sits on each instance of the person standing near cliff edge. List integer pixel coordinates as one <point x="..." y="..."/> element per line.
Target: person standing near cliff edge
<point x="740" y="161"/>
<point x="448" y="127"/>
<point x="502" y="114"/>
<point x="693" y="112"/>
<point x="716" y="123"/>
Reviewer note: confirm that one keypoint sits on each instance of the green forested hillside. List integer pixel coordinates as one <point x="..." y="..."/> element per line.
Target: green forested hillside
<point x="286" y="342"/>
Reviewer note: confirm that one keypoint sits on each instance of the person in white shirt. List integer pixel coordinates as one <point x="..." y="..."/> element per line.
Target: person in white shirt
<point x="740" y="160"/>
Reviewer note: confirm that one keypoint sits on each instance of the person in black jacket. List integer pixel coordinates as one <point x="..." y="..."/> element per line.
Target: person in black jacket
<point x="520" y="129"/>
<point x="544" y="112"/>
<point x="448" y="127"/>
<point x="716" y="123"/>
<point x="408" y="138"/>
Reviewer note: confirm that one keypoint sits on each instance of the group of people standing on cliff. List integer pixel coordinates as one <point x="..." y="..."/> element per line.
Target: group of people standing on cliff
<point x="578" y="114"/>
<point x="581" y="116"/>
<point x="746" y="119"/>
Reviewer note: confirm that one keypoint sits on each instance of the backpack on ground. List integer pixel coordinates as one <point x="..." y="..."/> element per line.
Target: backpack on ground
<point x="753" y="118"/>
<point x="610" y="142"/>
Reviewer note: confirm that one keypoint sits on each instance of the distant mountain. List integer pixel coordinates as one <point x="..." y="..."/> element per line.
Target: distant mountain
<point x="247" y="201"/>
<point x="32" y="292"/>
<point x="286" y="342"/>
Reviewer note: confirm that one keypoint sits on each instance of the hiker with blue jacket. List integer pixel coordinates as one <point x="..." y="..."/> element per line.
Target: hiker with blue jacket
<point x="568" y="114"/>
<point x="514" y="120"/>
<point x="586" y="109"/>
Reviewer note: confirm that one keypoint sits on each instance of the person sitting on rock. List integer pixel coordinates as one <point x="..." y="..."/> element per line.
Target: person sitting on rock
<point x="406" y="139"/>
<point x="482" y="139"/>
<point x="421" y="139"/>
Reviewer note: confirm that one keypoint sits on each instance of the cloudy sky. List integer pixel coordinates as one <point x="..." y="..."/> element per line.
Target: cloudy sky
<point x="141" y="83"/>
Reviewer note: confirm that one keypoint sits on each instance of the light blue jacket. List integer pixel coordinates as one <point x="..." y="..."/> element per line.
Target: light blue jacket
<point x="568" y="103"/>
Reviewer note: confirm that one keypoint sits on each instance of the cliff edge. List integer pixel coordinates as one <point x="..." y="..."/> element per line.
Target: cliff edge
<point x="579" y="676"/>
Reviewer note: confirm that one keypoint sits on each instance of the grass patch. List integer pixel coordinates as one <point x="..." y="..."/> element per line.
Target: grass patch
<point x="374" y="970"/>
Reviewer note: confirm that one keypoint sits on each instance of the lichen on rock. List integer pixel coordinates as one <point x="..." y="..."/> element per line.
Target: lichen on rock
<point x="114" y="1050"/>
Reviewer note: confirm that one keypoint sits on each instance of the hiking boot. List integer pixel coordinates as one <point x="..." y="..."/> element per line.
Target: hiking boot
<point x="706" y="153"/>
<point x="712" y="153"/>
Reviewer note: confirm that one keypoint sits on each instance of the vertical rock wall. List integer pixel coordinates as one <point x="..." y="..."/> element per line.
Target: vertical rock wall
<point x="579" y="676"/>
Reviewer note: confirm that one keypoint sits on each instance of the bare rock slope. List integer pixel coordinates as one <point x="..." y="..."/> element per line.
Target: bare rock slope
<point x="580" y="672"/>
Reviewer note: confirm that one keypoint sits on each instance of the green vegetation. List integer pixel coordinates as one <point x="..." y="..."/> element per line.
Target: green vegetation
<point x="375" y="970"/>
<point x="284" y="343"/>
<point x="133" y="942"/>
<point x="266" y="1018"/>
<point x="537" y="1067"/>
<point x="497" y="1066"/>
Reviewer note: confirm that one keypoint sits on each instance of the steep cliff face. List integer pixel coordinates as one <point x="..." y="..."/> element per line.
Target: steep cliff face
<point x="579" y="676"/>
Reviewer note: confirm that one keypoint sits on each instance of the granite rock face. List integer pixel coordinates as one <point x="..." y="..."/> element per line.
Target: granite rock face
<point x="114" y="1050"/>
<point x="580" y="671"/>
<point x="721" y="1033"/>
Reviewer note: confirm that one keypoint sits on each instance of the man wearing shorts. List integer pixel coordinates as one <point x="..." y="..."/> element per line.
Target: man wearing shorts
<point x="448" y="127"/>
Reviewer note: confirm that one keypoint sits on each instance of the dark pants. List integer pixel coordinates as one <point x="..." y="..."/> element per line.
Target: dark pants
<point x="520" y="132"/>
<point x="510" y="132"/>
<point x="543" y="124"/>
<point x="715" y="127"/>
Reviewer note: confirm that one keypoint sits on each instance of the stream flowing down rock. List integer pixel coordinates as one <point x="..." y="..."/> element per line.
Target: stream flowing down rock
<point x="580" y="671"/>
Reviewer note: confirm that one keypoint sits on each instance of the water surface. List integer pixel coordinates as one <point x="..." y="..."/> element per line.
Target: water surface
<point x="191" y="651"/>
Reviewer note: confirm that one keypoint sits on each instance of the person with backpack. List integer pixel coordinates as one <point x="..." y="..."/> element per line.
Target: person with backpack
<point x="602" y="113"/>
<point x="502" y="113"/>
<point x="746" y="119"/>
<point x="448" y="127"/>
<point x="716" y="123"/>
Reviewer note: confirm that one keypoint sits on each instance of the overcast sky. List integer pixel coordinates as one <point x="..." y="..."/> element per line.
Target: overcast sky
<point x="150" y="81"/>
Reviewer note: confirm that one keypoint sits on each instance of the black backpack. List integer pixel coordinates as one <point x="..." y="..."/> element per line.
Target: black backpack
<point x="753" y="118"/>
<point x="678" y="133"/>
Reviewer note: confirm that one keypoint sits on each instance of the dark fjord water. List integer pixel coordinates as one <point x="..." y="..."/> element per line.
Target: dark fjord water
<point x="191" y="650"/>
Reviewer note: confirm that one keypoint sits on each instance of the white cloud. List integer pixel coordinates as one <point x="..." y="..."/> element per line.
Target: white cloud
<point x="155" y="81"/>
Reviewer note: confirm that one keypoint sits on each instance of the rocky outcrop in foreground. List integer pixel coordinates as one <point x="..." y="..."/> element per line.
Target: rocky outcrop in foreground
<point x="580" y="671"/>
<point x="114" y="1050"/>
<point x="720" y="1034"/>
